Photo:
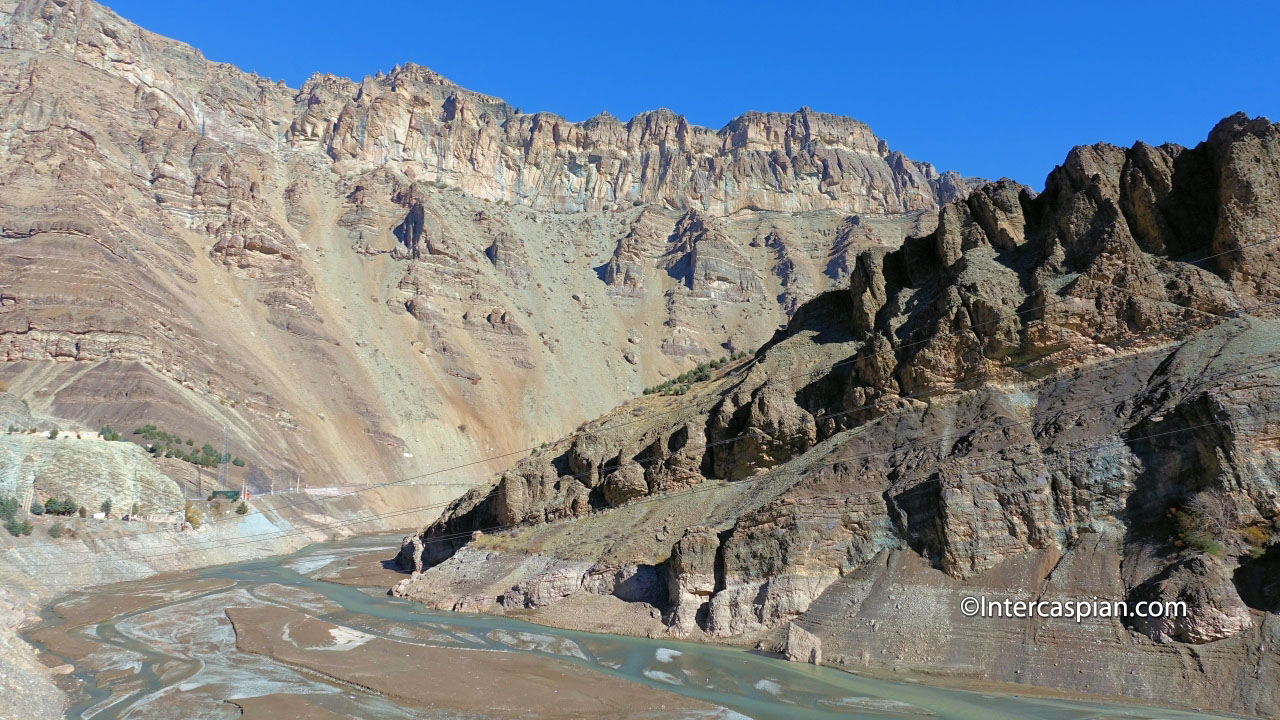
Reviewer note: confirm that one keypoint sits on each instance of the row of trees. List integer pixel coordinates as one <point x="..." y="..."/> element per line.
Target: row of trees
<point x="9" y="507"/>
<point x="53" y="434"/>
<point x="166" y="444"/>
<point x="680" y="384"/>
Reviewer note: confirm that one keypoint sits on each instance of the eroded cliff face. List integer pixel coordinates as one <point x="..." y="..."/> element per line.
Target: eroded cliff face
<point x="433" y="131"/>
<point x="1056" y="397"/>
<point x="376" y="279"/>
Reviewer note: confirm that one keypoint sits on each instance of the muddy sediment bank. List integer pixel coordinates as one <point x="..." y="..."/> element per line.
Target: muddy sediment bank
<point x="480" y="683"/>
<point x="273" y="638"/>
<point x="94" y="553"/>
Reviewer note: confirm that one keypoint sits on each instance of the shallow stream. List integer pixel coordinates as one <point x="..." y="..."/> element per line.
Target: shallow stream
<point x="172" y="654"/>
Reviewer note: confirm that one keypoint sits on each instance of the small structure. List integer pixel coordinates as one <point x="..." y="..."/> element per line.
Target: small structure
<point x="228" y="495"/>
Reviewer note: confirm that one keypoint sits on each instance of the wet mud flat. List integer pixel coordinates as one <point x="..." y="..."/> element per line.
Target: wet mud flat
<point x="480" y="683"/>
<point x="275" y="639"/>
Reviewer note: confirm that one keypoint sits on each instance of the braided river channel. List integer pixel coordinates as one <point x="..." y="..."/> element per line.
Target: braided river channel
<point x="276" y="639"/>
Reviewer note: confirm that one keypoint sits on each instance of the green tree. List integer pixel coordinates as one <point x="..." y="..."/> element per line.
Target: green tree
<point x="36" y="508"/>
<point x="57" y="530"/>
<point x="53" y="434"/>
<point x="242" y="509"/>
<point x="61" y="507"/>
<point x="238" y="462"/>
<point x="8" y="507"/>
<point x="106" y="507"/>
<point x="18" y="527"/>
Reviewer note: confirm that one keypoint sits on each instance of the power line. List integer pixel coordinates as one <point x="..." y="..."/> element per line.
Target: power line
<point x="929" y="392"/>
<point x="706" y="487"/>
<point x="1213" y="316"/>
<point x="730" y="440"/>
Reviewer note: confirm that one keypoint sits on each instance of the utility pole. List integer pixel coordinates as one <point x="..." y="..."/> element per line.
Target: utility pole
<point x="222" y="465"/>
<point x="134" y="506"/>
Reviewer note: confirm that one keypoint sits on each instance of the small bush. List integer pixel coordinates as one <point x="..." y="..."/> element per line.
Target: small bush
<point x="84" y="512"/>
<point x="53" y="434"/>
<point x="192" y="516"/>
<point x="1255" y="536"/>
<point x="1190" y="533"/>
<point x="242" y="509"/>
<point x="18" y="527"/>
<point x="36" y="508"/>
<point x="57" y="530"/>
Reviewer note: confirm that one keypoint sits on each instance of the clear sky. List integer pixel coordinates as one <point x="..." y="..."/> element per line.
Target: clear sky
<point x="987" y="89"/>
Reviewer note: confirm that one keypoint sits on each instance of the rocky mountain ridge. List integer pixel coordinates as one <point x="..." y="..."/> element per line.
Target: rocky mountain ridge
<point x="376" y="279"/>
<point x="1054" y="397"/>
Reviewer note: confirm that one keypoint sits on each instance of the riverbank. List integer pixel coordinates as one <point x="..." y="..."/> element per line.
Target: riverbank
<point x="546" y="591"/>
<point x="275" y="638"/>
<point x="36" y="569"/>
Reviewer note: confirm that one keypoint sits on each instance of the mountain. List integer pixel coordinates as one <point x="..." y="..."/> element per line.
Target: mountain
<point x="363" y="281"/>
<point x="1045" y="398"/>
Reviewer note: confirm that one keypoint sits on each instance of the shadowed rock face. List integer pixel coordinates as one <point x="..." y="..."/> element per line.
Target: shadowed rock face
<point x="358" y="278"/>
<point x="1060" y="397"/>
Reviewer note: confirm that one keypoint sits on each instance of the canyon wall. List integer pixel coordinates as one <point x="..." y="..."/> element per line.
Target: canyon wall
<point x="366" y="280"/>
<point x="1055" y="397"/>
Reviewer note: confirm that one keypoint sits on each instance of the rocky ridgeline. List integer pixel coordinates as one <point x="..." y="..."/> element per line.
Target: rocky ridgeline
<point x="432" y="130"/>
<point x="1053" y="397"/>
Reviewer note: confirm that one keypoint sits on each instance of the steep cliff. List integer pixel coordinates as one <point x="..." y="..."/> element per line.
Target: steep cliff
<point x="375" y="279"/>
<point x="1056" y="397"/>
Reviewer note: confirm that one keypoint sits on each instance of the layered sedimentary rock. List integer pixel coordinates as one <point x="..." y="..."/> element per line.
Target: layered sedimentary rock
<point x="356" y="279"/>
<point x="434" y="131"/>
<point x="1055" y="397"/>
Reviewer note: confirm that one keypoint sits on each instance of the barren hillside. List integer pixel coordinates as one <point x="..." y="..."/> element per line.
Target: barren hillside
<point x="372" y="279"/>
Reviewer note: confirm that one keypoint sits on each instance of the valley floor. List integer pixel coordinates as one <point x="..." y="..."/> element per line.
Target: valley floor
<point x="279" y="639"/>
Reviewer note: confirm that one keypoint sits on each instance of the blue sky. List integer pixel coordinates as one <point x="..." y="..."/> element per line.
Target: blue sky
<point x="987" y="89"/>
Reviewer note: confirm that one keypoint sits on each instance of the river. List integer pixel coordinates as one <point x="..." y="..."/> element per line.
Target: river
<point x="167" y="648"/>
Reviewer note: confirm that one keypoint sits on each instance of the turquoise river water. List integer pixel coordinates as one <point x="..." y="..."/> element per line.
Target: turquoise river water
<point x="177" y="657"/>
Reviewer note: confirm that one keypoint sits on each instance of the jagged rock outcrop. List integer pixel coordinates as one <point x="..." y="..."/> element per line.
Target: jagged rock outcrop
<point x="1056" y="396"/>
<point x="709" y="263"/>
<point x="433" y="130"/>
